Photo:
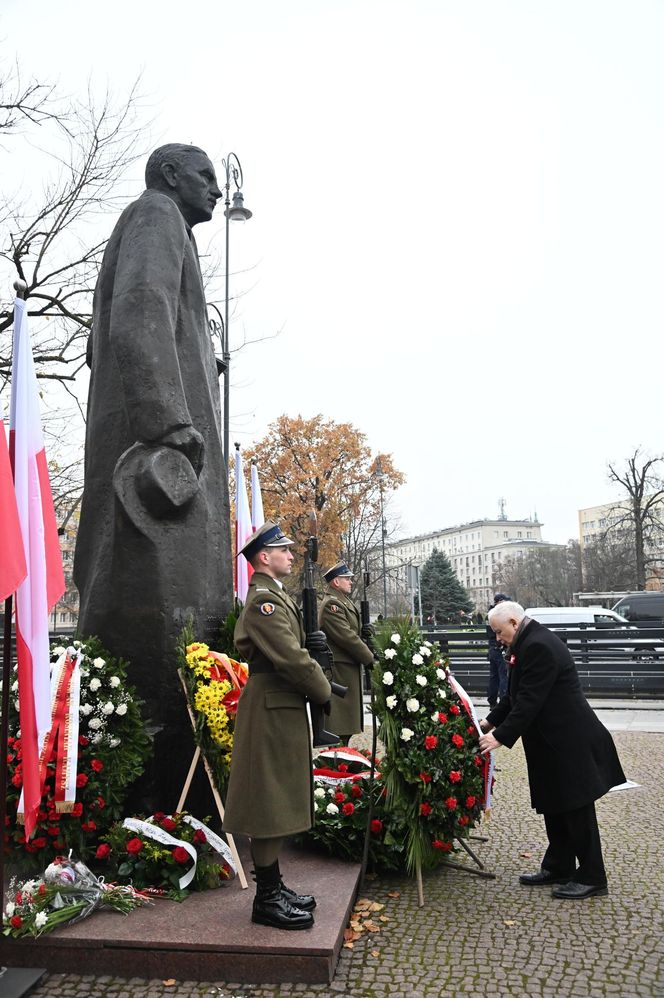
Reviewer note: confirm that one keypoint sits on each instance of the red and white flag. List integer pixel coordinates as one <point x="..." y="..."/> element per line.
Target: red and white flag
<point x="243" y="529"/>
<point x="257" y="515"/>
<point x="44" y="583"/>
<point x="12" y="556"/>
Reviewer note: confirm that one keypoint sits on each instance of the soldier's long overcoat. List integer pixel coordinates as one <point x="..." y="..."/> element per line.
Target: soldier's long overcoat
<point x="340" y="619"/>
<point x="571" y="757"/>
<point x="270" y="790"/>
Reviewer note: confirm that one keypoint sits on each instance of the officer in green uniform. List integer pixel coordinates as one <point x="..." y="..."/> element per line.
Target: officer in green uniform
<point x="270" y="789"/>
<point x="339" y="618"/>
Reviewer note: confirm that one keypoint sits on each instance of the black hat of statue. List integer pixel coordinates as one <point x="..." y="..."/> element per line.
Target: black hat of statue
<point x="270" y="535"/>
<point x="338" y="571"/>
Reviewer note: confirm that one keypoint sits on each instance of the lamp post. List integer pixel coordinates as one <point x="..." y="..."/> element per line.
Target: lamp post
<point x="235" y="212"/>
<point x="380" y="475"/>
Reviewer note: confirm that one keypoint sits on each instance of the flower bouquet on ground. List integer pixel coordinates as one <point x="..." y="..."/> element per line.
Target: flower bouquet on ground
<point x="342" y="795"/>
<point x="432" y="768"/>
<point x="111" y="752"/>
<point x="66" y="893"/>
<point x="167" y="855"/>
<point x="213" y="683"/>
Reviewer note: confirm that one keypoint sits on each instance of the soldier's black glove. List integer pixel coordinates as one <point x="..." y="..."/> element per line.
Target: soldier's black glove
<point x="316" y="642"/>
<point x="369" y="665"/>
<point x="367" y="632"/>
<point x="371" y="645"/>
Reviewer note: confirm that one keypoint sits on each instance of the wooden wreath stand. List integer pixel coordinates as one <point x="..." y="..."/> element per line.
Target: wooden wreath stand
<point x="215" y="793"/>
<point x="479" y="872"/>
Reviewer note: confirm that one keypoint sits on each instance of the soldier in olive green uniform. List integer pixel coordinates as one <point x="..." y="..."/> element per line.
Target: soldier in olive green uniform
<point x="340" y="620"/>
<point x="270" y="790"/>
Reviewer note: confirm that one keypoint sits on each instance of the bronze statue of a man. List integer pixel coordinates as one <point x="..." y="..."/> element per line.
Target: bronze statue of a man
<point x="153" y="544"/>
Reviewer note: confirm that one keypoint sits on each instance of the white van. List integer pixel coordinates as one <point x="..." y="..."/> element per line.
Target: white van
<point x="571" y="615"/>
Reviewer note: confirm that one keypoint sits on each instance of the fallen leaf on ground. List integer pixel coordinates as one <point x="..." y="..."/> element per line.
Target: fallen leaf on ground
<point x="383" y="918"/>
<point x="375" y="952"/>
<point x="350" y="935"/>
<point x="348" y="945"/>
<point x="364" y="904"/>
<point x="376" y="906"/>
<point x="371" y="926"/>
<point x="394" y="894"/>
<point x="526" y="855"/>
<point x="509" y="921"/>
<point x="356" y="926"/>
<point x="169" y="983"/>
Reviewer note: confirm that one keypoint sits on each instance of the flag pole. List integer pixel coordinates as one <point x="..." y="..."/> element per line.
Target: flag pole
<point x="16" y="981"/>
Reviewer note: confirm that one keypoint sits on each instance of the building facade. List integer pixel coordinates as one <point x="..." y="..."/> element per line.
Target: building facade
<point x="475" y="550"/>
<point x="612" y="520"/>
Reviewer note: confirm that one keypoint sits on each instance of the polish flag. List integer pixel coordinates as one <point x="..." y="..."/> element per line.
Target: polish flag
<point x="12" y="559"/>
<point x="257" y="516"/>
<point x="44" y="583"/>
<point x="243" y="529"/>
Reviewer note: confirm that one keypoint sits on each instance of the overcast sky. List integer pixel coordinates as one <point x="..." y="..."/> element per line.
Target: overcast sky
<point x="458" y="221"/>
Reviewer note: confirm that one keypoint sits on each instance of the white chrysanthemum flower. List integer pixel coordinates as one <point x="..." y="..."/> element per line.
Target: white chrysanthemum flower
<point x="427" y="644"/>
<point x="85" y="709"/>
<point x="114" y="742"/>
<point x="108" y="708"/>
<point x="95" y="684"/>
<point x="440" y="673"/>
<point x="319" y="792"/>
<point x="84" y="673"/>
<point x="412" y="705"/>
<point x="58" y="651"/>
<point x="421" y="680"/>
<point x="417" y="659"/>
<point x="95" y="739"/>
<point x="115" y="682"/>
<point x="29" y="886"/>
<point x="14" y="686"/>
<point x="77" y="644"/>
<point x="395" y="639"/>
<point x="99" y="663"/>
<point x="424" y="650"/>
<point x="442" y="695"/>
<point x="406" y="734"/>
<point x="434" y="716"/>
<point x="390" y="653"/>
<point x="41" y="918"/>
<point x="388" y="679"/>
<point x="391" y="702"/>
<point x="10" y="909"/>
<point x="332" y="809"/>
<point x="121" y="709"/>
<point x="94" y="723"/>
<point x="17" y="705"/>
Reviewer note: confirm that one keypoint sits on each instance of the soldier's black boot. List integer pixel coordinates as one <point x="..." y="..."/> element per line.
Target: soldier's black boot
<point x="305" y="902"/>
<point x="271" y="907"/>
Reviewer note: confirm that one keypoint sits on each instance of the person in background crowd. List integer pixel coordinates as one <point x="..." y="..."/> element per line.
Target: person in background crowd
<point x="497" y="687"/>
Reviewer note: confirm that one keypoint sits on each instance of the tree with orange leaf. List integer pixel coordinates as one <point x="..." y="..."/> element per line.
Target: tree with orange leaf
<point x="317" y="464"/>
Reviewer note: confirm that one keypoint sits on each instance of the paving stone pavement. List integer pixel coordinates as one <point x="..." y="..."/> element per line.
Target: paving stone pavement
<point x="495" y="939"/>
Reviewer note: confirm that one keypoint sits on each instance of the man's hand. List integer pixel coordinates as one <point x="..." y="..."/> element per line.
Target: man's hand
<point x="488" y="743"/>
<point x="316" y="642"/>
<point x="485" y="725"/>
<point x="367" y="632"/>
<point x="190" y="442"/>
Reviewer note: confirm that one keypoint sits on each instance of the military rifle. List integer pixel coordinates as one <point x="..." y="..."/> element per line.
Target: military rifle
<point x="316" y="642"/>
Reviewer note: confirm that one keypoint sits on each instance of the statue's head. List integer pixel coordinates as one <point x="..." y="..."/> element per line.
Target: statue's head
<point x="186" y="175"/>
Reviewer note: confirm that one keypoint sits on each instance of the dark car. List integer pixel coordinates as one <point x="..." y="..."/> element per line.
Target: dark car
<point x="644" y="608"/>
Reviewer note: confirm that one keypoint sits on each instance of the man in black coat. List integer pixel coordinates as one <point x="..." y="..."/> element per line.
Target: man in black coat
<point x="571" y="758"/>
<point x="497" y="667"/>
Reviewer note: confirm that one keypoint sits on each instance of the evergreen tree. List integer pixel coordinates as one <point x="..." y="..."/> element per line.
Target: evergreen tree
<point x="443" y="596"/>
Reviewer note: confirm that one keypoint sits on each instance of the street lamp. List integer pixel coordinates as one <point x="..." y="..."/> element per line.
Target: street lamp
<point x="235" y="212"/>
<point x="380" y="475"/>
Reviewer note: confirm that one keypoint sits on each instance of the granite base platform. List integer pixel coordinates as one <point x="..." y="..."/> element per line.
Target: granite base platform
<point x="207" y="937"/>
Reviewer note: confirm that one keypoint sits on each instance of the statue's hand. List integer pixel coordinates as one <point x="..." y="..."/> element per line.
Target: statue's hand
<point x="190" y="442"/>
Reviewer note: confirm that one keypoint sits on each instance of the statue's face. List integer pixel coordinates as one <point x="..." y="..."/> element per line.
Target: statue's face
<point x="196" y="188"/>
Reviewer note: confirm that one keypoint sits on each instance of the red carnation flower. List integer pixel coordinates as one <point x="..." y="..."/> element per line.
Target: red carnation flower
<point x="103" y="851"/>
<point x="454" y="709"/>
<point x="376" y="826"/>
<point x="40" y="842"/>
<point x="16" y="921"/>
<point x="10" y="757"/>
<point x="430" y="741"/>
<point x="82" y="740"/>
<point x="457" y="740"/>
<point x="53" y="816"/>
<point x="77" y="810"/>
<point x="101" y="803"/>
<point x="89" y="826"/>
<point x="19" y="897"/>
<point x="134" y="846"/>
<point x="339" y="797"/>
<point x="42" y="889"/>
<point x="463" y="820"/>
<point x="54" y="831"/>
<point x="471" y="729"/>
<point x="17" y="779"/>
<point x="455" y="776"/>
<point x="479" y="761"/>
<point x="168" y="824"/>
<point x="355" y="791"/>
<point x="200" y="838"/>
<point x="442" y="718"/>
<point x="425" y="809"/>
<point x="471" y="801"/>
<point x="443" y="846"/>
<point x="81" y="780"/>
<point x="425" y="777"/>
<point x="451" y="803"/>
<point x="348" y="808"/>
<point x="181" y="855"/>
<point x="343" y="767"/>
<point x="97" y="765"/>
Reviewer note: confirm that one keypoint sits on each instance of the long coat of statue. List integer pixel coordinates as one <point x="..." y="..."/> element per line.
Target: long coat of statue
<point x="153" y="544"/>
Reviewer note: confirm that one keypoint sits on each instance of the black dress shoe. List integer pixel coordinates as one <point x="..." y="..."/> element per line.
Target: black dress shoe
<point x="575" y="892"/>
<point x="275" y="910"/>
<point x="305" y="902"/>
<point x="542" y="878"/>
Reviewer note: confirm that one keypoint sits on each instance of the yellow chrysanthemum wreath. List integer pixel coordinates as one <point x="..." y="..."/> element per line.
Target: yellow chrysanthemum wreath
<point x="215" y="695"/>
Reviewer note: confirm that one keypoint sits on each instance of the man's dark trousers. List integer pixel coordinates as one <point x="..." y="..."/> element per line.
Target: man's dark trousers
<point x="572" y="835"/>
<point x="497" y="676"/>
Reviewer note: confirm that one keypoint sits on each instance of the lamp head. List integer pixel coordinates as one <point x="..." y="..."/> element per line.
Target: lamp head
<point x="237" y="211"/>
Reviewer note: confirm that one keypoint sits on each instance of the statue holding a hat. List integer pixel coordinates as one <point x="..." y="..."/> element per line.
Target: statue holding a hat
<point x="341" y="622"/>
